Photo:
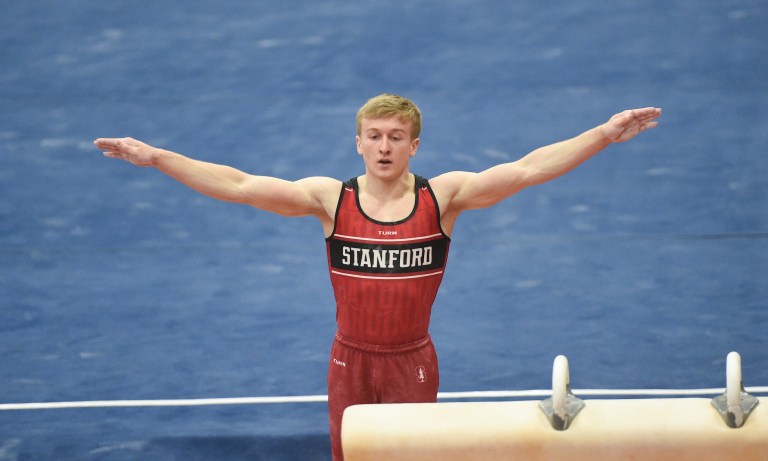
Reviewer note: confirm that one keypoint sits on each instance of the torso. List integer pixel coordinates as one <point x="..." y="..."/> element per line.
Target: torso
<point x="386" y="263"/>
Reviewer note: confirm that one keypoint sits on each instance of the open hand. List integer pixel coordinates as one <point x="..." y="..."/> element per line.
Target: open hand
<point x="626" y="125"/>
<point x="128" y="149"/>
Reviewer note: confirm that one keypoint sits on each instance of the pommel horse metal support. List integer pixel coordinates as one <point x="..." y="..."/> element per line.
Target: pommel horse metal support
<point x="735" y="405"/>
<point x="563" y="406"/>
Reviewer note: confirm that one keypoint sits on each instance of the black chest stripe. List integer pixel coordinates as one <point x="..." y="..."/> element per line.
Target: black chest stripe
<point x="383" y="258"/>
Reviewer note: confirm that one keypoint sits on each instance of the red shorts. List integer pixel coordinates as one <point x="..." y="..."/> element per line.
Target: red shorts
<point x="361" y="373"/>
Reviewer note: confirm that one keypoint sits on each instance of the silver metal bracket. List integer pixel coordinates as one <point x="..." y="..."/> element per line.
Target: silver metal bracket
<point x="735" y="405"/>
<point x="563" y="406"/>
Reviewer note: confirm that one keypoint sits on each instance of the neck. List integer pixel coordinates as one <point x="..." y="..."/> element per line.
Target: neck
<point x="386" y="189"/>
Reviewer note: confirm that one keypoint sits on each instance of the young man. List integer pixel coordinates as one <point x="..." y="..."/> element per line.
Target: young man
<point x="387" y="236"/>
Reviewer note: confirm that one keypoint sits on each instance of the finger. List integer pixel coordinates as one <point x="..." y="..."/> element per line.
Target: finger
<point x="107" y="143"/>
<point x="648" y="109"/>
<point x="119" y="143"/>
<point x="648" y="126"/>
<point x="647" y="113"/>
<point x="649" y="120"/>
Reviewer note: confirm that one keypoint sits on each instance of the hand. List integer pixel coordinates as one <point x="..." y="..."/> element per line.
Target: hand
<point x="128" y="149"/>
<point x="626" y="125"/>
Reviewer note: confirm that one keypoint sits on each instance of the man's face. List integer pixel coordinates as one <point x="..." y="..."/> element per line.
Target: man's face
<point x="386" y="145"/>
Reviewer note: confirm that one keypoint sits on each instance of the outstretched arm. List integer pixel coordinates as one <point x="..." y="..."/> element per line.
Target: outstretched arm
<point x="460" y="191"/>
<point x="305" y="197"/>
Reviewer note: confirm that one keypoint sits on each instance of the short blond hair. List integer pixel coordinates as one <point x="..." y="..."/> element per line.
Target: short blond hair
<point x="391" y="105"/>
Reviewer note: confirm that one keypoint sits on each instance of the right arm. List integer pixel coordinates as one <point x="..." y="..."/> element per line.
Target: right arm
<point x="305" y="197"/>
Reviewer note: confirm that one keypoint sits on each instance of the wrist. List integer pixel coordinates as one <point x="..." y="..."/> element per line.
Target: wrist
<point x="159" y="157"/>
<point x="599" y="136"/>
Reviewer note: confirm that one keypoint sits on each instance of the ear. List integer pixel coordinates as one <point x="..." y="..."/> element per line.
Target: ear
<point x="414" y="146"/>
<point x="358" y="141"/>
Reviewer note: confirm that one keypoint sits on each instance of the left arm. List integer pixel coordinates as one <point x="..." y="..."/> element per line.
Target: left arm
<point x="461" y="191"/>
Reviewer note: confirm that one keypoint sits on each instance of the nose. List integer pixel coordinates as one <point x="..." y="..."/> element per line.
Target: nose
<point x="384" y="146"/>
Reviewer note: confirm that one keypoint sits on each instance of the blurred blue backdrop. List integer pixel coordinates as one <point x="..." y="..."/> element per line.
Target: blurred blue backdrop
<point x="645" y="267"/>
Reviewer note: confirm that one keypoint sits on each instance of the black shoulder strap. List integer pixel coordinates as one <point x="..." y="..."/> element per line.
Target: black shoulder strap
<point x="421" y="181"/>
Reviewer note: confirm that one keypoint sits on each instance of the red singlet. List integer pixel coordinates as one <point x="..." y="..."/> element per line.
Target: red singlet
<point x="385" y="275"/>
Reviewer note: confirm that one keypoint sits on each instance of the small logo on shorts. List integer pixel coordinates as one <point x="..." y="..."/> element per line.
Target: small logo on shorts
<point x="421" y="374"/>
<point x="339" y="362"/>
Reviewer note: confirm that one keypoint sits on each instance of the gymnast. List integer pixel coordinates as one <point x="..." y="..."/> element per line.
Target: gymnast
<point x="387" y="235"/>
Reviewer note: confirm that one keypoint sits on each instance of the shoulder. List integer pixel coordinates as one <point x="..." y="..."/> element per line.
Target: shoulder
<point x="324" y="195"/>
<point x="319" y="194"/>
<point x="446" y="188"/>
<point x="447" y="185"/>
<point x="451" y="179"/>
<point x="319" y="186"/>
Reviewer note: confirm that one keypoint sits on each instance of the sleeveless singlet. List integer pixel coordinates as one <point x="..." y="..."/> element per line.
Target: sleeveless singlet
<point x="385" y="275"/>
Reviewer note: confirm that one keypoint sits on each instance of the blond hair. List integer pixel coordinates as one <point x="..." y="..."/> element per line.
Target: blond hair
<point x="391" y="105"/>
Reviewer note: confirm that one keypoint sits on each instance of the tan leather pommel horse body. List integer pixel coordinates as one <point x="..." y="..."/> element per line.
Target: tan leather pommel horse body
<point x="678" y="429"/>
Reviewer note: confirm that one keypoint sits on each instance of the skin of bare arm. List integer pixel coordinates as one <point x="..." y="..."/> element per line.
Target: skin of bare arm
<point x="461" y="191"/>
<point x="314" y="196"/>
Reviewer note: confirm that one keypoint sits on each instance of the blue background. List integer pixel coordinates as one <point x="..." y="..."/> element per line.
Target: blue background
<point x="645" y="266"/>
